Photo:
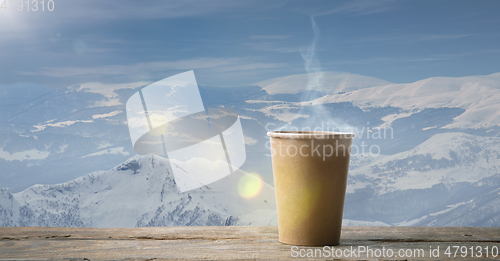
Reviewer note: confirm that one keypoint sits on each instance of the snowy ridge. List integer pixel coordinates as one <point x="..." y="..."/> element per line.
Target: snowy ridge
<point x="139" y="192"/>
<point x="444" y="158"/>
<point x="481" y="210"/>
<point x="333" y="82"/>
<point x="478" y="95"/>
<point x="430" y="175"/>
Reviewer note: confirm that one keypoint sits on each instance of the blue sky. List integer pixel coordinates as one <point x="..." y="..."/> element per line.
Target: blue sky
<point x="231" y="43"/>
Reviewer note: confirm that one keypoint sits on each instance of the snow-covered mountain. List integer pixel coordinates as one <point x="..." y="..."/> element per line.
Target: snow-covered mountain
<point x="142" y="192"/>
<point x="139" y="192"/>
<point x="478" y="210"/>
<point x="449" y="169"/>
<point x="331" y="82"/>
<point x="439" y="162"/>
<point x="479" y="96"/>
<point x="444" y="158"/>
<point x="50" y="136"/>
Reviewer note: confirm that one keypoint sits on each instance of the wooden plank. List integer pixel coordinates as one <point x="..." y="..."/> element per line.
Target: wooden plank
<point x="230" y="242"/>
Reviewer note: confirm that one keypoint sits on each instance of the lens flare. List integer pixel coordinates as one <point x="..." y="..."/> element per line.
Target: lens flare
<point x="158" y="119"/>
<point x="250" y="185"/>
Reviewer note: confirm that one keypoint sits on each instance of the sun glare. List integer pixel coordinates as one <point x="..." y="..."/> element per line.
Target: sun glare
<point x="250" y="185"/>
<point x="159" y="120"/>
<point x="11" y="22"/>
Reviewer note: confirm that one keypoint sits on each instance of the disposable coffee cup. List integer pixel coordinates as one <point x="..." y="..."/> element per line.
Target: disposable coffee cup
<point x="310" y="179"/>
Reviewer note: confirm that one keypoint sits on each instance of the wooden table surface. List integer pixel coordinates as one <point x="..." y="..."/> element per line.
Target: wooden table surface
<point x="243" y="243"/>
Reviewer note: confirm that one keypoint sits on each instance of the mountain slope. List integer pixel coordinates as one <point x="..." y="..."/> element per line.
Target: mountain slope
<point x="475" y="210"/>
<point x="139" y="192"/>
<point x="52" y="136"/>
<point x="444" y="158"/>
<point x="478" y="95"/>
<point x="447" y="169"/>
<point x="332" y="83"/>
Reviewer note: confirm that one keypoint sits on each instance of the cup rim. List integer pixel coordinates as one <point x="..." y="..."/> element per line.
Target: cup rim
<point x="319" y="135"/>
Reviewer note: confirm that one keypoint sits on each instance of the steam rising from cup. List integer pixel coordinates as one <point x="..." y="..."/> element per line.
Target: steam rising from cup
<point x="318" y="116"/>
<point x="313" y="67"/>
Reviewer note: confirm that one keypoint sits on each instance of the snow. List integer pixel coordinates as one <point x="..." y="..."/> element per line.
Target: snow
<point x="138" y="192"/>
<point x="478" y="95"/>
<point x="359" y="223"/>
<point x="62" y="148"/>
<point x="103" y="145"/>
<point x="392" y="117"/>
<point x="106" y="103"/>
<point x="106" y="115"/>
<point x="280" y="111"/>
<point x="457" y="157"/>
<point x="108" y="90"/>
<point x="61" y="124"/>
<point x="333" y="82"/>
<point x="117" y="150"/>
<point x="249" y="140"/>
<point x="261" y="217"/>
<point x="475" y="158"/>
<point x="32" y="154"/>
<point x="448" y="209"/>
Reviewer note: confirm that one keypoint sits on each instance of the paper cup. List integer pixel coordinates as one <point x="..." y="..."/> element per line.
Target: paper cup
<point x="310" y="180"/>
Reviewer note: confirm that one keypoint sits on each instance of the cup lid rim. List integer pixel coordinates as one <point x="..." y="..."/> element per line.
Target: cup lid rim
<point x="310" y="135"/>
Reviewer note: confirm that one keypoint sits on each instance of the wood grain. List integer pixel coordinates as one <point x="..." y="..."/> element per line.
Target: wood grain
<point x="223" y="242"/>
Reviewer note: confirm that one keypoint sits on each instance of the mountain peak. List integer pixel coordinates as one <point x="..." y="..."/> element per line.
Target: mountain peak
<point x="330" y="83"/>
<point x="139" y="192"/>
